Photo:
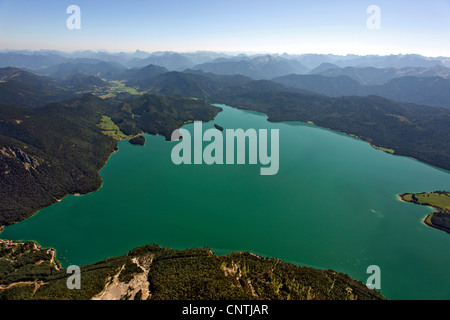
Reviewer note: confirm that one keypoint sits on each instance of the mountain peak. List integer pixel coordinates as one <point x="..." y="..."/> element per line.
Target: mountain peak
<point x="324" y="67"/>
<point x="265" y="59"/>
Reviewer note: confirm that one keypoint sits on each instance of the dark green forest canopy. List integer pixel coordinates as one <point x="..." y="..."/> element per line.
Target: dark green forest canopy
<point x="29" y="272"/>
<point x="416" y="131"/>
<point x="49" y="152"/>
<point x="156" y="114"/>
<point x="440" y="201"/>
<point x="138" y="140"/>
<point x="46" y="154"/>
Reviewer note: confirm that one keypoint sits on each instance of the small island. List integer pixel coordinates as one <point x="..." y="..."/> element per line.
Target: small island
<point x="139" y="140"/>
<point x="218" y="127"/>
<point x="439" y="200"/>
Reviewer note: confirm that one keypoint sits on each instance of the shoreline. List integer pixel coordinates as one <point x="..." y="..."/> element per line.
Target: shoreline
<point x="399" y="197"/>
<point x="192" y="121"/>
<point x="427" y="220"/>
<point x="242" y="108"/>
<point x="380" y="148"/>
<point x="116" y="150"/>
<point x="67" y="194"/>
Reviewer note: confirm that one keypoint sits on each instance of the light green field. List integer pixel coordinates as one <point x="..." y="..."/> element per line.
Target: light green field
<point x="407" y="197"/>
<point x="111" y="90"/>
<point x="384" y="149"/>
<point x="392" y="151"/>
<point x="111" y="129"/>
<point x="438" y="200"/>
<point x="116" y="88"/>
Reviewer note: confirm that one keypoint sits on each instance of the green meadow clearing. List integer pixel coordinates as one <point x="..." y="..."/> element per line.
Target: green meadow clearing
<point x="111" y="129"/>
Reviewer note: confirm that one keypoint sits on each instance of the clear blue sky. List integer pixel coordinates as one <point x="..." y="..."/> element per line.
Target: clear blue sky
<point x="275" y="26"/>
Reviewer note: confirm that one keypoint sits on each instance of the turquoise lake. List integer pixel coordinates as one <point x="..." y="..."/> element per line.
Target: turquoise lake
<point x="332" y="205"/>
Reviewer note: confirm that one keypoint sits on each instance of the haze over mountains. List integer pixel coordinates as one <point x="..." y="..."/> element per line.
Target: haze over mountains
<point x="404" y="78"/>
<point x="371" y="75"/>
<point x="174" y="60"/>
<point x="434" y="91"/>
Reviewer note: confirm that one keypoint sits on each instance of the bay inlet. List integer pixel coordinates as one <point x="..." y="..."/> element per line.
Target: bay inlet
<point x="332" y="205"/>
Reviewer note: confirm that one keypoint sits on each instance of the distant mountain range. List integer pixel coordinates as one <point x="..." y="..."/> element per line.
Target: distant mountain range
<point x="174" y="61"/>
<point x="434" y="91"/>
<point x="312" y="61"/>
<point x="372" y="76"/>
<point x="24" y="89"/>
<point x="262" y="67"/>
<point x="379" y="105"/>
<point x="421" y="85"/>
<point x="102" y="69"/>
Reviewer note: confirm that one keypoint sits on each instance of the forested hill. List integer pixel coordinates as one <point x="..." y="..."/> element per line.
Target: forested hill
<point x="155" y="114"/>
<point x="430" y="91"/>
<point x="421" y="132"/>
<point x="154" y="273"/>
<point x="52" y="151"/>
<point x="46" y="154"/>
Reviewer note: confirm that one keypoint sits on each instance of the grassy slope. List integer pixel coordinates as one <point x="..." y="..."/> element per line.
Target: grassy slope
<point x="111" y="129"/>
<point x="116" y="87"/>
<point x="438" y="200"/>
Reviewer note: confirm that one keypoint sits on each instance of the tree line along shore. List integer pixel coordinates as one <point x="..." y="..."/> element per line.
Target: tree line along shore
<point x="439" y="200"/>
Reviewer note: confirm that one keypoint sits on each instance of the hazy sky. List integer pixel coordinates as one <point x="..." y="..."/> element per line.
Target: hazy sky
<point x="275" y="26"/>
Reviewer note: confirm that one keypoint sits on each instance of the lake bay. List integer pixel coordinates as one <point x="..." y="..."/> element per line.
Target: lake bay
<point x="332" y="205"/>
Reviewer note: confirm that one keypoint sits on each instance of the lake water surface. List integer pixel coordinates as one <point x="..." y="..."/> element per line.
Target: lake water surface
<point x="332" y="205"/>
